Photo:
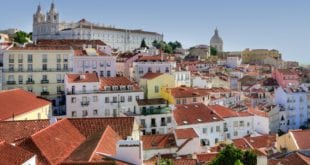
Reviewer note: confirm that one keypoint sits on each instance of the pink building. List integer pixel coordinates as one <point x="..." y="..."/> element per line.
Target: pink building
<point x="286" y="77"/>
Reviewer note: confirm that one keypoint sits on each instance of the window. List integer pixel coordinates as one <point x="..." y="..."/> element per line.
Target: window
<point x="248" y="124"/>
<point x="11" y="58"/>
<point x="84" y="113"/>
<point x="178" y="101"/>
<point x="114" y="99"/>
<point x="216" y="140"/>
<point x="44" y="67"/>
<point x="44" y="77"/>
<point x="156" y="89"/>
<point x="30" y="67"/>
<point x="65" y="58"/>
<point x="20" y="58"/>
<point x="59" y="91"/>
<point x="20" y="79"/>
<point x="241" y="123"/>
<point x="235" y="133"/>
<point x="29" y="58"/>
<point x="129" y="98"/>
<point x="204" y="130"/>
<point x="94" y="64"/>
<point x="95" y="98"/>
<point x="58" y="67"/>
<point x="84" y="88"/>
<point x="122" y="99"/>
<point x="73" y="99"/>
<point x="211" y="130"/>
<point x="11" y="67"/>
<point x="168" y="119"/>
<point x="29" y="88"/>
<point x="183" y="101"/>
<point x="218" y="128"/>
<point x="58" y="58"/>
<point x="20" y="67"/>
<point x="194" y="99"/>
<point x="235" y="123"/>
<point x="65" y="66"/>
<point x="108" y="73"/>
<point x="106" y="99"/>
<point x="107" y="113"/>
<point x="44" y="58"/>
<point x="73" y="114"/>
<point x="167" y="69"/>
<point x="95" y="112"/>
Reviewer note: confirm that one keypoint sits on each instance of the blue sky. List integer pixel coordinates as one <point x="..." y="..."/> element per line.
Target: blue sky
<point x="278" y="24"/>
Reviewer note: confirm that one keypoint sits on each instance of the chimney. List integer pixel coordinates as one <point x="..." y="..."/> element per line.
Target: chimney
<point x="53" y="120"/>
<point x="82" y="76"/>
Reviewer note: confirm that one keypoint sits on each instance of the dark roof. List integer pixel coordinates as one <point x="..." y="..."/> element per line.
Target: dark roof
<point x="10" y="154"/>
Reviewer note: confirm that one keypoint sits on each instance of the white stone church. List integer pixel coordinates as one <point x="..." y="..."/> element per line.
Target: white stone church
<point x="49" y="27"/>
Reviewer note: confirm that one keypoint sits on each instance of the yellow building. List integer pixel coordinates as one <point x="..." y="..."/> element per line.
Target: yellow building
<point x="18" y="104"/>
<point x="152" y="83"/>
<point x="294" y="140"/>
<point x="250" y="55"/>
<point x="39" y="69"/>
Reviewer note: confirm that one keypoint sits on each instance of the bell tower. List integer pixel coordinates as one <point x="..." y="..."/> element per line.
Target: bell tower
<point x="38" y="23"/>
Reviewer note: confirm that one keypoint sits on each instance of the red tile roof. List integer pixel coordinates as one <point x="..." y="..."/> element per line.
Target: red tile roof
<point x="257" y="142"/>
<point x="16" y="102"/>
<point x="83" y="78"/>
<point x="302" y="138"/>
<point x="58" y="141"/>
<point x="225" y="112"/>
<point x="293" y="158"/>
<point x="158" y="141"/>
<point x="194" y="114"/>
<point x="10" y="154"/>
<point x="287" y="72"/>
<point x="151" y="75"/>
<point x="115" y="81"/>
<point x="18" y="131"/>
<point x="108" y="142"/>
<point x="206" y="157"/>
<point x="180" y="92"/>
<point x="123" y="126"/>
<point x="186" y="133"/>
<point x="70" y="42"/>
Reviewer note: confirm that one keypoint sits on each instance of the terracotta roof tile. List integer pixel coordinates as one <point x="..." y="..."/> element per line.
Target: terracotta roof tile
<point x="83" y="78"/>
<point x="152" y="58"/>
<point x="194" y="114"/>
<point x="302" y="138"/>
<point x="151" y="75"/>
<point x="18" y="131"/>
<point x="158" y="141"/>
<point x="70" y="42"/>
<point x="10" y="154"/>
<point x="206" y="157"/>
<point x="225" y="112"/>
<point x="58" y="141"/>
<point x="16" y="102"/>
<point x="115" y="81"/>
<point x="186" y="133"/>
<point x="292" y="158"/>
<point x="123" y="126"/>
<point x="263" y="141"/>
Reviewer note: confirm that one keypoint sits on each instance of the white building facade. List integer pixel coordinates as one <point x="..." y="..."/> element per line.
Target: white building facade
<point x="89" y="96"/>
<point x="48" y="26"/>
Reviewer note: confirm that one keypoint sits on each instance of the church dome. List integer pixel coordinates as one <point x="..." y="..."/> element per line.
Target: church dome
<point x="216" y="38"/>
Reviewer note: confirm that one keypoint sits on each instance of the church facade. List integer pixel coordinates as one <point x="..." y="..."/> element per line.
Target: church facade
<point x="48" y="26"/>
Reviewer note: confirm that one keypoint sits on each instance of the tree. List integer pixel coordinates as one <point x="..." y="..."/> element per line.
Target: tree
<point x="143" y="44"/>
<point x="167" y="48"/>
<point x="165" y="162"/>
<point x="232" y="155"/>
<point x="21" y="37"/>
<point x="213" y="51"/>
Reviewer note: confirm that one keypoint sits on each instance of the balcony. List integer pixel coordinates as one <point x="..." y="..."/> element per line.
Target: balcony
<point x="11" y="60"/>
<point x="225" y="129"/>
<point x="30" y="82"/>
<point x="11" y="82"/>
<point x="58" y="60"/>
<point x="44" y="81"/>
<point x="84" y="103"/>
<point x="154" y="111"/>
<point x="44" y="93"/>
<point x="37" y="70"/>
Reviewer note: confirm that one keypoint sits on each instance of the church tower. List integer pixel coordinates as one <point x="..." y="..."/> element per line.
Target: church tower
<point x="38" y="23"/>
<point x="52" y="20"/>
<point x="216" y="41"/>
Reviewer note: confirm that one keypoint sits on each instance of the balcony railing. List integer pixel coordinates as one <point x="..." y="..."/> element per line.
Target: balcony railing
<point x="154" y="111"/>
<point x="30" y="82"/>
<point x="38" y="70"/>
<point x="44" y="93"/>
<point x="11" y="82"/>
<point x="44" y="81"/>
<point x="84" y="103"/>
